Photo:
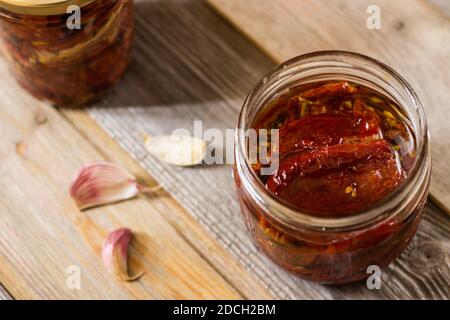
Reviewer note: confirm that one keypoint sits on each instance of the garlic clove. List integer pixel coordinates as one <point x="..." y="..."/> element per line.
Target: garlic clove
<point x="178" y="150"/>
<point x="115" y="254"/>
<point x="102" y="183"/>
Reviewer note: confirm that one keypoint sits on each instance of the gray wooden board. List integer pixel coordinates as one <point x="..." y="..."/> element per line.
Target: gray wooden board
<point x="189" y="64"/>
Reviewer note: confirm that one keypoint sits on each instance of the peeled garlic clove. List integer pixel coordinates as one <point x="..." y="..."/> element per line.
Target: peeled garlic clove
<point x="177" y="150"/>
<point x="115" y="254"/>
<point x="102" y="183"/>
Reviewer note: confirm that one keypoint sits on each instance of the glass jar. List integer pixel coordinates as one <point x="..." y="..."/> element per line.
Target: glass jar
<point x="333" y="250"/>
<point x="57" y="60"/>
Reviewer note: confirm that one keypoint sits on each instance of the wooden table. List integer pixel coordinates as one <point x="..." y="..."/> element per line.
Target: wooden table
<point x="187" y="56"/>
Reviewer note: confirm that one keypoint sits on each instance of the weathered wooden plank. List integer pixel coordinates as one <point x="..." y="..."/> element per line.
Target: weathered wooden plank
<point x="188" y="69"/>
<point x="218" y="257"/>
<point x="43" y="233"/>
<point x="414" y="39"/>
<point x="443" y="6"/>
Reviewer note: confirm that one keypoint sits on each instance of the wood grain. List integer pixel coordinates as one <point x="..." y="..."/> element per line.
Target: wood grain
<point x="442" y="6"/>
<point x="414" y="39"/>
<point x="422" y="271"/>
<point x="188" y="69"/>
<point x="43" y="233"/>
<point x="189" y="229"/>
<point x="4" y="295"/>
<point x="194" y="66"/>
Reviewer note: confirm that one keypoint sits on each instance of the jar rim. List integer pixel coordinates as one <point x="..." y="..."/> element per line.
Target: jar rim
<point x="41" y="7"/>
<point x="286" y="214"/>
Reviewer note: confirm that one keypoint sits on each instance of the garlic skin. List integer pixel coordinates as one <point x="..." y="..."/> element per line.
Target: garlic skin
<point x="115" y="254"/>
<point x="102" y="183"/>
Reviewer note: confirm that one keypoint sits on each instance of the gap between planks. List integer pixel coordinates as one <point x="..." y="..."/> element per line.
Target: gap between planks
<point x="283" y="29"/>
<point x="40" y="237"/>
<point x="189" y="229"/>
<point x="4" y="294"/>
<point x="186" y="78"/>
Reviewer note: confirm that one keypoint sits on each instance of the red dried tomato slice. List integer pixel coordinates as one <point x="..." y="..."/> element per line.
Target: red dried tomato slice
<point x="337" y="88"/>
<point x="337" y="179"/>
<point x="328" y="129"/>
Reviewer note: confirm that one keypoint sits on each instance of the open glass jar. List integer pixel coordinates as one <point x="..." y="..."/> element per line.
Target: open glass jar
<point x="333" y="248"/>
<point x="66" y="51"/>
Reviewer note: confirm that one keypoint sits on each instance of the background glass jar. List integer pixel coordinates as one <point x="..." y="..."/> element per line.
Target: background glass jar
<point x="324" y="249"/>
<point x="63" y="64"/>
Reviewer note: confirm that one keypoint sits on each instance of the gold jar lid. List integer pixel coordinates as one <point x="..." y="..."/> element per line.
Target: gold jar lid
<point x="41" y="7"/>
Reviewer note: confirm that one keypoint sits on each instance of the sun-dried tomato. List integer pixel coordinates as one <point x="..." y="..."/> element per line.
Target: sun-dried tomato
<point x="341" y="148"/>
<point x="328" y="129"/>
<point x="337" y="88"/>
<point x="337" y="179"/>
